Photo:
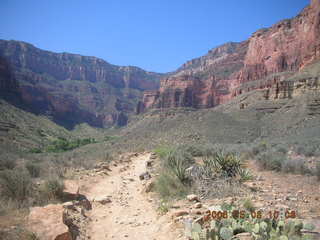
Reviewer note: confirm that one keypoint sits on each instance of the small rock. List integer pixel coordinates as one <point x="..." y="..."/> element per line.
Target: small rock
<point x="175" y="206"/>
<point x="197" y="212"/>
<point x="149" y="163"/>
<point x="180" y="213"/>
<point x="193" y="197"/>
<point x="198" y="205"/>
<point x="103" y="200"/>
<point x="145" y="176"/>
<point x="148" y="187"/>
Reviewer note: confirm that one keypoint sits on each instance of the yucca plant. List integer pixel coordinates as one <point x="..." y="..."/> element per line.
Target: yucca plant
<point x="177" y="163"/>
<point x="228" y="164"/>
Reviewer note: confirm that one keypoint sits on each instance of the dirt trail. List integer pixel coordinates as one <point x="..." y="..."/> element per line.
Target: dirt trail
<point x="132" y="213"/>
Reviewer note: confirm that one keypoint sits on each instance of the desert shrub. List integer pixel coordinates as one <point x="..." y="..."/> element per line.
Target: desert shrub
<point x="163" y="151"/>
<point x="15" y="184"/>
<point x="108" y="156"/>
<point x="8" y="206"/>
<point x="246" y="155"/>
<point x="294" y="166"/>
<point x="308" y="150"/>
<point x="194" y="150"/>
<point x="7" y="163"/>
<point x="245" y="175"/>
<point x="282" y="150"/>
<point x="169" y="186"/>
<point x="111" y="138"/>
<point x="248" y="205"/>
<point x="318" y="170"/>
<point x="52" y="189"/>
<point x="35" y="150"/>
<point x="33" y="169"/>
<point x="163" y="207"/>
<point x="271" y="160"/>
<point x="177" y="162"/>
<point x="262" y="147"/>
<point x="17" y="233"/>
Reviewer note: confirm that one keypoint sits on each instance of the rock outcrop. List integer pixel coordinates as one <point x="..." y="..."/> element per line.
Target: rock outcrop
<point x="71" y="88"/>
<point x="264" y="61"/>
<point x="76" y="219"/>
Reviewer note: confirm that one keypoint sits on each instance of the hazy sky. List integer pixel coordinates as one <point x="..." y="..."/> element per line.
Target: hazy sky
<point x="157" y="35"/>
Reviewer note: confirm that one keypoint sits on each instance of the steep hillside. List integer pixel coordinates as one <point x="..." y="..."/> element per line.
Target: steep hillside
<point x="267" y="58"/>
<point x="290" y="116"/>
<point x="71" y="88"/>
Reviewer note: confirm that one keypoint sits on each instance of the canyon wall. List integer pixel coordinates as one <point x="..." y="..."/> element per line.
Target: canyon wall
<point x="267" y="58"/>
<point x="71" y="88"/>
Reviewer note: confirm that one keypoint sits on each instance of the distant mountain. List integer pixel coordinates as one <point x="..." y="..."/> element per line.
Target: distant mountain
<point x="264" y="61"/>
<point x="71" y="88"/>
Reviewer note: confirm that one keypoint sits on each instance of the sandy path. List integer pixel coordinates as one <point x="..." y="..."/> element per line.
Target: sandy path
<point x="131" y="214"/>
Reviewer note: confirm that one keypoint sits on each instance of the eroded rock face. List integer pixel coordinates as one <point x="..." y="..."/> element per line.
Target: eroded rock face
<point x="71" y="88"/>
<point x="264" y="61"/>
<point x="76" y="219"/>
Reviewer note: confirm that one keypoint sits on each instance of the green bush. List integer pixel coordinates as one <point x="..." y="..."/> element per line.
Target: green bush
<point x="294" y="166"/>
<point x="15" y="184"/>
<point x="62" y="144"/>
<point x="245" y="175"/>
<point x="226" y="163"/>
<point x="52" y="189"/>
<point x="308" y="150"/>
<point x="248" y="205"/>
<point x="271" y="160"/>
<point x="194" y="150"/>
<point x="35" y="150"/>
<point x="177" y="162"/>
<point x="262" y="147"/>
<point x="7" y="163"/>
<point x="163" y="151"/>
<point x="169" y="186"/>
<point x="33" y="169"/>
<point x="111" y="138"/>
<point x="318" y="170"/>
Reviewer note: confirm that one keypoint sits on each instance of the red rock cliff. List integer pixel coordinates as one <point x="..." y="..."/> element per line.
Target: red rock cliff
<point x="267" y="57"/>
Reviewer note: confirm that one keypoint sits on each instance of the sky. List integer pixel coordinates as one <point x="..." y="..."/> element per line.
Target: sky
<point x="156" y="35"/>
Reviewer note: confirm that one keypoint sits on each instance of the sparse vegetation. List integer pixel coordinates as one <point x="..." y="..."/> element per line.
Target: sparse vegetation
<point x="271" y="160"/>
<point x="52" y="189"/>
<point x="16" y="185"/>
<point x="297" y="166"/>
<point x="168" y="186"/>
<point x="248" y="205"/>
<point x="62" y="144"/>
<point x="177" y="161"/>
<point x="33" y="169"/>
<point x="318" y="170"/>
<point x="7" y="163"/>
<point x="163" y="207"/>
<point x="163" y="151"/>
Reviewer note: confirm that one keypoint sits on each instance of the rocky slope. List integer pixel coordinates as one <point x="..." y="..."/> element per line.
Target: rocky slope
<point x="71" y="88"/>
<point x="264" y="61"/>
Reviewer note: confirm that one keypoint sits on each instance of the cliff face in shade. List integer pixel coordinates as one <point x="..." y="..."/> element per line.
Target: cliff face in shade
<point x="267" y="58"/>
<point x="71" y="88"/>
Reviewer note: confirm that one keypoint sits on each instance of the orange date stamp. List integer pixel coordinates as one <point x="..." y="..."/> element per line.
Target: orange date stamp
<point x="242" y="214"/>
